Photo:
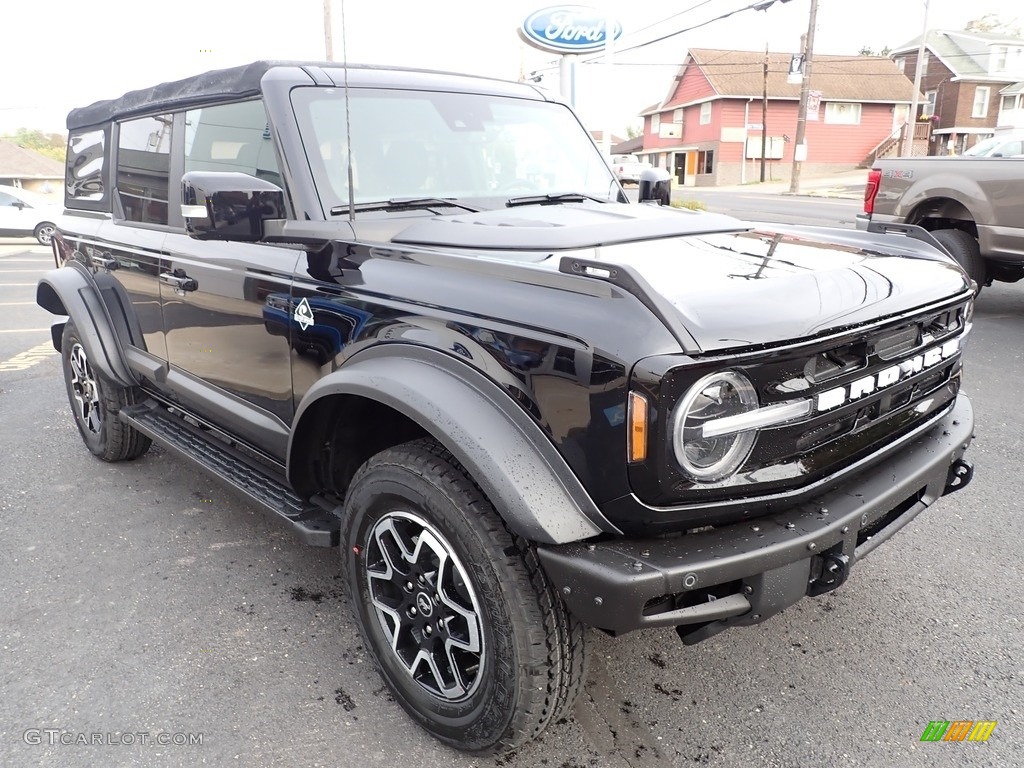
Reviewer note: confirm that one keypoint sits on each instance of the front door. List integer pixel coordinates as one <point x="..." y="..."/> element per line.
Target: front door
<point x="226" y="361"/>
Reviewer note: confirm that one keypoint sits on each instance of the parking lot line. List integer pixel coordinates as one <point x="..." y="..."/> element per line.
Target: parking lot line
<point x="28" y="358"/>
<point x="24" y="330"/>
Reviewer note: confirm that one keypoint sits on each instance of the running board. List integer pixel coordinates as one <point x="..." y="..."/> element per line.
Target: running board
<point x="313" y="523"/>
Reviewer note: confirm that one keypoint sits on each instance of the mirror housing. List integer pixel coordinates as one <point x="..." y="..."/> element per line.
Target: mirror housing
<point x="655" y="186"/>
<point x="228" y="205"/>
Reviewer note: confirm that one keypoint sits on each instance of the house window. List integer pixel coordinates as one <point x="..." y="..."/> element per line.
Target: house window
<point x="143" y="168"/>
<point x="901" y="64"/>
<point x="929" y="103"/>
<point x="677" y="115"/>
<point x="999" y="58"/>
<point x="842" y="113"/>
<point x="706" y="161"/>
<point x="980" y="101"/>
<point x="705" y="113"/>
<point x="655" y="123"/>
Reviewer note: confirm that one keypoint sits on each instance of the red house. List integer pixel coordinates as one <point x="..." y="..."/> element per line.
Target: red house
<point x="709" y="129"/>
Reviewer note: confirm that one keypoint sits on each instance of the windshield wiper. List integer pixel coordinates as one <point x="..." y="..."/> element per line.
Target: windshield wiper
<point x="404" y="204"/>
<point x="552" y="199"/>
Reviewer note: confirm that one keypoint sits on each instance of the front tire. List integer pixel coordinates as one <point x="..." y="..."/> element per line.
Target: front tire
<point x="95" y="402"/>
<point x="964" y="249"/>
<point x="454" y="609"/>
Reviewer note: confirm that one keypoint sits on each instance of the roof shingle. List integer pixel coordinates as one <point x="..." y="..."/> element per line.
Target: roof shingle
<point x="839" y="78"/>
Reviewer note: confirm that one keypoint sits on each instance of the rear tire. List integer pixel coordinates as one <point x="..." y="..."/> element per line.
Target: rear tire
<point x="95" y="402"/>
<point x="963" y="247"/>
<point x="454" y="609"/>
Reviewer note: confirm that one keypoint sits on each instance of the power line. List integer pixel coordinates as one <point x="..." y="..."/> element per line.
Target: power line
<point x="761" y="5"/>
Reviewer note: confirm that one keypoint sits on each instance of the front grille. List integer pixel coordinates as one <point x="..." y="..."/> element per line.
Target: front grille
<point x="868" y="388"/>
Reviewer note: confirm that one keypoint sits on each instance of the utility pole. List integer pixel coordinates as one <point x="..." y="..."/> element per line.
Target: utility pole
<point x="805" y="87"/>
<point x="908" y="139"/>
<point x="764" y="111"/>
<point x="328" y="43"/>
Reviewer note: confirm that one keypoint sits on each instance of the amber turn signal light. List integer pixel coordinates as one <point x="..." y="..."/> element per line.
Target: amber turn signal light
<point x="637" y="439"/>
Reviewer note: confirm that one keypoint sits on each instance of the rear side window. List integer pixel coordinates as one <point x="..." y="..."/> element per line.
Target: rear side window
<point x="143" y="168"/>
<point x="231" y="137"/>
<point x="83" y="174"/>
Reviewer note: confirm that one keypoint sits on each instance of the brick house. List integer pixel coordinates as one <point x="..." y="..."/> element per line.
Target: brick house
<point x="708" y="129"/>
<point x="973" y="82"/>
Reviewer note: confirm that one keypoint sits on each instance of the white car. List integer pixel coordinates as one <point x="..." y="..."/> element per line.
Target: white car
<point x="24" y="214"/>
<point x="627" y="168"/>
<point x="1000" y="145"/>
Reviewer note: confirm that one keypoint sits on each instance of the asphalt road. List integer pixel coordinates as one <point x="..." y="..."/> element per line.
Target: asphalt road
<point x="143" y="599"/>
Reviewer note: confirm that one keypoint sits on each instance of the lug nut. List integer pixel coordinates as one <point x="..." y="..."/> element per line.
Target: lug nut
<point x="427" y="629"/>
<point x="408" y="586"/>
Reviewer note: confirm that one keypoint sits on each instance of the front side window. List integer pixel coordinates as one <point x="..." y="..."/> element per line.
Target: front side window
<point x="483" y="149"/>
<point x="231" y="137"/>
<point x="705" y="113"/>
<point x="143" y="168"/>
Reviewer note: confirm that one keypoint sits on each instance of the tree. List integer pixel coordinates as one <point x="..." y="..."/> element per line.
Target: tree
<point x="51" y="145"/>
<point x="632" y="131"/>
<point x="869" y="51"/>
<point x="992" y="22"/>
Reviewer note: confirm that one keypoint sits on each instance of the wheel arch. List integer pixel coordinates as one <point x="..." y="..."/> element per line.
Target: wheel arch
<point x="406" y="391"/>
<point x="66" y="291"/>
<point x="943" y="213"/>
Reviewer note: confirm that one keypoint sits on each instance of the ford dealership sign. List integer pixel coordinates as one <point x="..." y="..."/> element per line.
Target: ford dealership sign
<point x="567" y="29"/>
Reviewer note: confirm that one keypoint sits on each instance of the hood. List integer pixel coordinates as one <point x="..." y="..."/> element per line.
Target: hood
<point x="775" y="284"/>
<point x="732" y="284"/>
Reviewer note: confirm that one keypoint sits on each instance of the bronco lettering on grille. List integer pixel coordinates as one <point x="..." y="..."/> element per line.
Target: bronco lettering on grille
<point x="862" y="387"/>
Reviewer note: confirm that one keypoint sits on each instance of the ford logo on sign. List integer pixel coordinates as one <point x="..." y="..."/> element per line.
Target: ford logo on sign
<point x="567" y="29"/>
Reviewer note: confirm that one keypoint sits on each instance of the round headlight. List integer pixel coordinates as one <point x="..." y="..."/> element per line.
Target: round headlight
<point x="716" y="396"/>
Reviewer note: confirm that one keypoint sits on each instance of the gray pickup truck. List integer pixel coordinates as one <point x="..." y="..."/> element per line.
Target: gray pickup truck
<point x="971" y="205"/>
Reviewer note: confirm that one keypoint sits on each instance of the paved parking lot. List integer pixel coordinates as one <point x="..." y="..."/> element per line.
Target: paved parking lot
<point x="143" y="602"/>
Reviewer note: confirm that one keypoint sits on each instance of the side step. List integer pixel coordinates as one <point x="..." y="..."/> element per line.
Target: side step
<point x="314" y="524"/>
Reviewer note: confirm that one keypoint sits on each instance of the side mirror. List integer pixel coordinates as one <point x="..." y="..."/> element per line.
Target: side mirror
<point x="655" y="186"/>
<point x="228" y="205"/>
<point x="20" y="205"/>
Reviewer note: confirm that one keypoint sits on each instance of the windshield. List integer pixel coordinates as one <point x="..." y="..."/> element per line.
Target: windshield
<point x="478" y="149"/>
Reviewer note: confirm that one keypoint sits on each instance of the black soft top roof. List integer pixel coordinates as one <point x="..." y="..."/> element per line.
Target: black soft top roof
<point x="244" y="81"/>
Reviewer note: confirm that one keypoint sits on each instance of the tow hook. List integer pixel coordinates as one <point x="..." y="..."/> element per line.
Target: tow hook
<point x="960" y="473"/>
<point x="832" y="570"/>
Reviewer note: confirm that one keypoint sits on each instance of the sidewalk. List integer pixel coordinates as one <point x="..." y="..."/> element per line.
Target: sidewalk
<point x="848" y="185"/>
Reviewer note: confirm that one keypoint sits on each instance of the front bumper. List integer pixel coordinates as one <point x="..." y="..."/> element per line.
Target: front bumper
<point x="743" y="573"/>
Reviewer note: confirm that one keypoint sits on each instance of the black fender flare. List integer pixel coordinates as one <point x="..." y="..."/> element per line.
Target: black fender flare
<point x="67" y="291"/>
<point x="503" y="449"/>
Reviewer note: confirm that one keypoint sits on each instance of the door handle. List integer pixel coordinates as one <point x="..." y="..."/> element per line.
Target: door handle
<point x="103" y="262"/>
<point x="179" y="280"/>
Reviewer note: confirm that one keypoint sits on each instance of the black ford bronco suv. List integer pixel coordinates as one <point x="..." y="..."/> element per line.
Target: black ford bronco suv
<point x="413" y="315"/>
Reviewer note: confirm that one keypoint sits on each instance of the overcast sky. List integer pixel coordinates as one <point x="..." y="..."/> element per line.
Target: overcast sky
<point x="59" y="54"/>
